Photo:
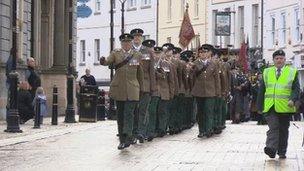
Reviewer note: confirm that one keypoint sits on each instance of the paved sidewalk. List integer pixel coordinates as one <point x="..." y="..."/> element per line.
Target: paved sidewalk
<point x="46" y="130"/>
<point x="239" y="147"/>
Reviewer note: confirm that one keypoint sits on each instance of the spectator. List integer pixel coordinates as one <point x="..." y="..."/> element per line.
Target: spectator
<point x="87" y="79"/>
<point x="25" y="107"/>
<point x="32" y="77"/>
<point x="43" y="106"/>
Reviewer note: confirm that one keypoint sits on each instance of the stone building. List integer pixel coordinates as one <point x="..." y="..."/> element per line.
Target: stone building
<point x="43" y="33"/>
<point x="171" y="14"/>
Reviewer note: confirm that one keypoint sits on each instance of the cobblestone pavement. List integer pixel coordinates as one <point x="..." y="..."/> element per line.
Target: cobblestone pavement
<point x="94" y="147"/>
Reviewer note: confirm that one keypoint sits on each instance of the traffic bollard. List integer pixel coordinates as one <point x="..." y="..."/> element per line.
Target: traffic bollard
<point x="55" y="106"/>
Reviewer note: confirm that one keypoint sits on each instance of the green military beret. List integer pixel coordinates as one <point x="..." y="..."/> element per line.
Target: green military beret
<point x="278" y="53"/>
<point x="136" y="32"/>
<point x="168" y="46"/>
<point x="148" y="43"/>
<point x="158" y="49"/>
<point x="186" y="55"/>
<point x="126" y="37"/>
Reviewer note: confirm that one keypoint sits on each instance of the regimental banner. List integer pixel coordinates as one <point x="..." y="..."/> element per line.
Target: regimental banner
<point x="222" y="24"/>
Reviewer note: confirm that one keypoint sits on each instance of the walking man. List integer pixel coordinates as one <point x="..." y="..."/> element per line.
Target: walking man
<point x="279" y="90"/>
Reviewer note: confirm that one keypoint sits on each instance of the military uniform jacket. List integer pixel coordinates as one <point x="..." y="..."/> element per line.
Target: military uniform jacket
<point x="175" y="64"/>
<point x="224" y="73"/>
<point x="182" y="81"/>
<point x="148" y="85"/>
<point x="206" y="82"/>
<point x="128" y="79"/>
<point x="164" y="81"/>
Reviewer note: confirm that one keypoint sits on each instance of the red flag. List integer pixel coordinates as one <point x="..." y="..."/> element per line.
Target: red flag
<point x="186" y="33"/>
<point x="243" y="57"/>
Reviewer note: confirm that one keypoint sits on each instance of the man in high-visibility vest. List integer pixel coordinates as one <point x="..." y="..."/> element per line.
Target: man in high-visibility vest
<point x="278" y="92"/>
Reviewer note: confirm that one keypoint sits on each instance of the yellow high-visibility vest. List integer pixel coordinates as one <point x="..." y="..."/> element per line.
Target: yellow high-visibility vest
<point x="278" y="91"/>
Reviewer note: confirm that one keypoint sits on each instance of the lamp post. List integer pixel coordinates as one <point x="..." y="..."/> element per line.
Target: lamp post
<point x="112" y="112"/>
<point x="13" y="114"/>
<point x="122" y="16"/>
<point x="70" y="111"/>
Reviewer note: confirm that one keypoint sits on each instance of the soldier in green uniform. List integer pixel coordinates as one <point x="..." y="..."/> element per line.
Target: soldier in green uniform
<point x="147" y="88"/>
<point x="188" y="98"/>
<point x="125" y="87"/>
<point x="205" y="89"/>
<point x="166" y="89"/>
<point x="152" y="125"/>
<point x="174" y="108"/>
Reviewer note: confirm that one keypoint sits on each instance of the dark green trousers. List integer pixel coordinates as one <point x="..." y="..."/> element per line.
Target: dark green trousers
<point x="151" y="125"/>
<point x="143" y="113"/>
<point x="173" y="109"/>
<point x="125" y="118"/>
<point x="217" y="117"/>
<point x="163" y="115"/>
<point x="224" y="112"/>
<point x="205" y="112"/>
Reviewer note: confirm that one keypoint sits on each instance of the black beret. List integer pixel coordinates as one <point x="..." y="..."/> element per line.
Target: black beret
<point x="126" y="37"/>
<point x="168" y="46"/>
<point x="207" y="47"/>
<point x="137" y="31"/>
<point x="149" y="43"/>
<point x="186" y="55"/>
<point x="176" y="50"/>
<point x="278" y="53"/>
<point x="158" y="49"/>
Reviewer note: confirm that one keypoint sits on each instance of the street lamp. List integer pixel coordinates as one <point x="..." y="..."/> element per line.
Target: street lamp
<point x="70" y="111"/>
<point x="13" y="114"/>
<point x="122" y="16"/>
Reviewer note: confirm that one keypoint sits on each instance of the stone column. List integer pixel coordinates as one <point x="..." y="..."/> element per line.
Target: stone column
<point x="59" y="35"/>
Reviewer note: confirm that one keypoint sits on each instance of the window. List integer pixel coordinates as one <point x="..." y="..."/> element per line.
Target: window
<point x="241" y="24"/>
<point x="131" y="3"/>
<point x="114" y="4"/>
<point x="214" y="38"/>
<point x="297" y="33"/>
<point x="146" y="37"/>
<point x="97" y="5"/>
<point x="283" y="29"/>
<point x="182" y="10"/>
<point x="196" y="8"/>
<point x="168" y="39"/>
<point x="82" y="51"/>
<point x="97" y="50"/>
<point x="255" y="24"/>
<point x="145" y="2"/>
<point x="273" y="30"/>
<point x="169" y="11"/>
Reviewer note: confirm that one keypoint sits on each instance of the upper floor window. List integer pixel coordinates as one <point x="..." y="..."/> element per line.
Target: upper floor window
<point x="82" y="51"/>
<point x="196" y="8"/>
<point x="272" y="32"/>
<point x="145" y="2"/>
<point x="97" y="5"/>
<point x="183" y="6"/>
<point x="131" y="3"/>
<point x="96" y="50"/>
<point x="297" y="33"/>
<point x="169" y="10"/>
<point x="283" y="29"/>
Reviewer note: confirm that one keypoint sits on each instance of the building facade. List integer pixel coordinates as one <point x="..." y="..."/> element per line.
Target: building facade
<point x="93" y="30"/>
<point x="171" y="14"/>
<point x="284" y="30"/>
<point x="43" y="33"/>
<point x="245" y="23"/>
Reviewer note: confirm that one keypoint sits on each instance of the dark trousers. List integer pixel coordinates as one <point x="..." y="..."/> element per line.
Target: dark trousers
<point x="125" y="118"/>
<point x="151" y="126"/>
<point x="205" y="112"/>
<point x="277" y="135"/>
<point x="143" y="113"/>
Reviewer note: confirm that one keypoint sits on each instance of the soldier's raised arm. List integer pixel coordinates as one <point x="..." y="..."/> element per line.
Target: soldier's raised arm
<point x="110" y="59"/>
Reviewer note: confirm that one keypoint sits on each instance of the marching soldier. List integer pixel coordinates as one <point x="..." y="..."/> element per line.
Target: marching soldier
<point x="205" y="89"/>
<point x="152" y="125"/>
<point x="147" y="88"/>
<point x="166" y="89"/>
<point x="226" y="86"/>
<point x="125" y="87"/>
<point x="137" y="46"/>
<point x="188" y="98"/>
